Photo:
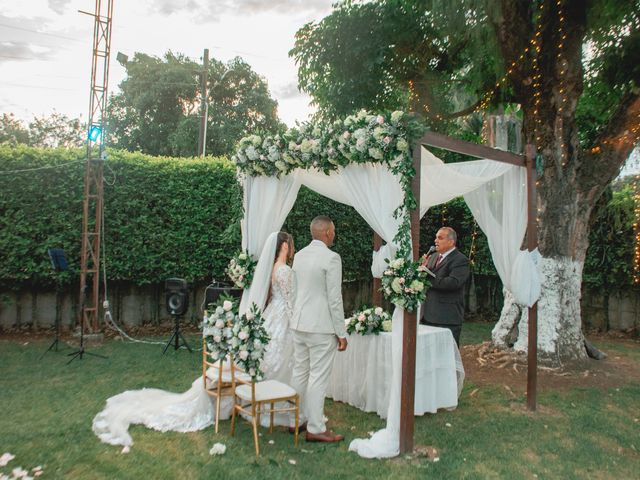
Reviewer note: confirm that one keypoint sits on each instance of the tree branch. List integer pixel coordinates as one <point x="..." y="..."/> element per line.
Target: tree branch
<point x="614" y="145"/>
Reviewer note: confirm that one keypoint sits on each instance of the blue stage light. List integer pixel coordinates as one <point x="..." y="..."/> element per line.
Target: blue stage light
<point x="94" y="133"/>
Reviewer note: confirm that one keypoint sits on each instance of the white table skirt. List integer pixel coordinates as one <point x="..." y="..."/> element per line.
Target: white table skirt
<point x="361" y="375"/>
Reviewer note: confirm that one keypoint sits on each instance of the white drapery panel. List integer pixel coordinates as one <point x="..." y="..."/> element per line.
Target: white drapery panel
<point x="500" y="208"/>
<point x="440" y="182"/>
<point x="267" y="201"/>
<point x="373" y="191"/>
<point x="496" y="194"/>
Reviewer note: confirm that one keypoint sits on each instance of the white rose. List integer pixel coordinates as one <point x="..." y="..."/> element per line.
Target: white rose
<point x="227" y="305"/>
<point x="219" y="324"/>
<point x="244" y="354"/>
<point x="402" y="145"/>
<point x="379" y="119"/>
<point x="396" y="116"/>
<point x="375" y="153"/>
<point x="378" y="311"/>
<point x="243" y="335"/>
<point x="252" y="372"/>
<point x="217" y="339"/>
<point x="250" y="316"/>
<point x="256" y="354"/>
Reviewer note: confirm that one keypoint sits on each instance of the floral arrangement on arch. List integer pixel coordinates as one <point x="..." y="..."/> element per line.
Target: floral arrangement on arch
<point x="369" y="321"/>
<point x="218" y="324"/>
<point x="250" y="341"/>
<point x="405" y="283"/>
<point x="241" y="268"/>
<point x="362" y="138"/>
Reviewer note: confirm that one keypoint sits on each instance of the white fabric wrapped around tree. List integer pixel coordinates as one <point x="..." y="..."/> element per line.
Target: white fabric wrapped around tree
<point x="267" y="201"/>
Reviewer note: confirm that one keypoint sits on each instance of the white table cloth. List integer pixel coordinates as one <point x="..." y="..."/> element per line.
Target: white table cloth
<point x="362" y="374"/>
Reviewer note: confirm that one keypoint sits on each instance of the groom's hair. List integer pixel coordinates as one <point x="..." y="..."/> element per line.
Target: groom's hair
<point x="319" y="225"/>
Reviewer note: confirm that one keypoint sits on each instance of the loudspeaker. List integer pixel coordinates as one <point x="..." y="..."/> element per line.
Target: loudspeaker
<point x="176" y="295"/>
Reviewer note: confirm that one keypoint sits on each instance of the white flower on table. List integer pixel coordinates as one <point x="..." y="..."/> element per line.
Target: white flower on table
<point x="227" y="305"/>
<point x="378" y="311"/>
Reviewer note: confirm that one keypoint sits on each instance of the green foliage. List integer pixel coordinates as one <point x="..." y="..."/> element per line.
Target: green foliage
<point x="55" y="130"/>
<point x="179" y="217"/>
<point x="610" y="257"/>
<point x="363" y="55"/>
<point x="574" y="437"/>
<point x="157" y="110"/>
<point x="163" y="217"/>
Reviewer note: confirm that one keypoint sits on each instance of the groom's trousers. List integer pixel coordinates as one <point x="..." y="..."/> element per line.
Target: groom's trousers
<point x="313" y="360"/>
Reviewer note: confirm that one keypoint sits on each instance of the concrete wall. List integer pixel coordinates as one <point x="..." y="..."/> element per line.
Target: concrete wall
<point x="134" y="306"/>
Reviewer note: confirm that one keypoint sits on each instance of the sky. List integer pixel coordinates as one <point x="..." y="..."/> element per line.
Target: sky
<point x="45" y="46"/>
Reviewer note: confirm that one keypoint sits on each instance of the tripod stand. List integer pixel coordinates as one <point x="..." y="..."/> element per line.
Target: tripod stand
<point x="82" y="351"/>
<point x="177" y="336"/>
<point x="59" y="264"/>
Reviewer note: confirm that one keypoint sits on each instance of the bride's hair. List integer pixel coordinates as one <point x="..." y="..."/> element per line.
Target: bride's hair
<point x="283" y="237"/>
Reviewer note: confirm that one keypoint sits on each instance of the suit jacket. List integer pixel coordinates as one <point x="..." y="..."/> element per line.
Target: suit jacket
<point x="445" y="299"/>
<point x="318" y="307"/>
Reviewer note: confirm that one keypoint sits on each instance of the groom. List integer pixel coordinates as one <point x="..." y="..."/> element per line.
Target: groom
<point x="317" y="324"/>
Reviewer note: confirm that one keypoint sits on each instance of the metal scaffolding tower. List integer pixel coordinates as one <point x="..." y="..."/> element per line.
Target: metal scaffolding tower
<point x="93" y="180"/>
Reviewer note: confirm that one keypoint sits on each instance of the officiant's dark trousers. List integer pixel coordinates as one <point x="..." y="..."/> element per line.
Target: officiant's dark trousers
<point x="455" y="329"/>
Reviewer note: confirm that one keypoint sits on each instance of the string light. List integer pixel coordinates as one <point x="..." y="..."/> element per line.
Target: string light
<point x="636" y="228"/>
<point x="472" y="249"/>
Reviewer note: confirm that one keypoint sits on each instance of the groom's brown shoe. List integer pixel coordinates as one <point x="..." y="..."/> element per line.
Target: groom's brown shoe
<point x="301" y="428"/>
<point x="326" y="436"/>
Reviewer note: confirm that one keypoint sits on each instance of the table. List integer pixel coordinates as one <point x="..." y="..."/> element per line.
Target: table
<point x="361" y="375"/>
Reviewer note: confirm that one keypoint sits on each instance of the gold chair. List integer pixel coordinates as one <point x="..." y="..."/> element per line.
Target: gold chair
<point x="217" y="381"/>
<point x="251" y="398"/>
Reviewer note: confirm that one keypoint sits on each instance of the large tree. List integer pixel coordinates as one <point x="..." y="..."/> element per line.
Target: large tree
<point x="157" y="110"/>
<point x="55" y="130"/>
<point x="573" y="66"/>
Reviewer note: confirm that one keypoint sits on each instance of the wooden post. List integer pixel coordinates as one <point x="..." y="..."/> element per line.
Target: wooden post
<point x="532" y="244"/>
<point x="408" y="386"/>
<point x="376" y="294"/>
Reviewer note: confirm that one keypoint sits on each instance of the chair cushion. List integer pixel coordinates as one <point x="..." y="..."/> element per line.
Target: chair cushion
<point x="266" y="390"/>
<point x="213" y="373"/>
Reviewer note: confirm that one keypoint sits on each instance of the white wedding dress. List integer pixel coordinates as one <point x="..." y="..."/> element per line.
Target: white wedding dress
<point x="193" y="410"/>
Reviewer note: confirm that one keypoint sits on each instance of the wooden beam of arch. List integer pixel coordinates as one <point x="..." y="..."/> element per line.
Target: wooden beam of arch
<point x="432" y="139"/>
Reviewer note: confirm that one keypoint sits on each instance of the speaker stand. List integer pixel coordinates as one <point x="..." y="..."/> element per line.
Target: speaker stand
<point x="177" y="336"/>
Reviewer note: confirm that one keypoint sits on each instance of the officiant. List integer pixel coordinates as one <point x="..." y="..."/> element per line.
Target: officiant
<point x="444" y="305"/>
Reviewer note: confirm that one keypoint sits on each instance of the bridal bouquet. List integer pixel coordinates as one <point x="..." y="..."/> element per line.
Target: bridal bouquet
<point x="405" y="283"/>
<point x="249" y="342"/>
<point x="369" y="321"/>
<point x="218" y="327"/>
<point x="241" y="268"/>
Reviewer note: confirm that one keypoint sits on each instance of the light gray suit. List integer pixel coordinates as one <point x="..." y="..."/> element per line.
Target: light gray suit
<point x="318" y="318"/>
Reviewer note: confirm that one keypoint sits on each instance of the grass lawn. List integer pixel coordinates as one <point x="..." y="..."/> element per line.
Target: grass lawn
<point x="48" y="406"/>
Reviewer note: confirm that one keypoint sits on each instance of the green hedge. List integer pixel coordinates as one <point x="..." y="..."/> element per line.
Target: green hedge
<point x="169" y="217"/>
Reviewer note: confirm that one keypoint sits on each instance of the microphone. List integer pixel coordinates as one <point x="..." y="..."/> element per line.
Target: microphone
<point x="431" y="250"/>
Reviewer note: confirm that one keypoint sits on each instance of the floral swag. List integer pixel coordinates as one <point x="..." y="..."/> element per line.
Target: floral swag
<point x="362" y="138"/>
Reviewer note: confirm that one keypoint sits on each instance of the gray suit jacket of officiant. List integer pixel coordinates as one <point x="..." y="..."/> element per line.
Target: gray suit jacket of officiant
<point x="445" y="298"/>
<point x="318" y="307"/>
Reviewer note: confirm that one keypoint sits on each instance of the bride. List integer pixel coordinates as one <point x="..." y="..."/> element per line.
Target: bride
<point x="273" y="283"/>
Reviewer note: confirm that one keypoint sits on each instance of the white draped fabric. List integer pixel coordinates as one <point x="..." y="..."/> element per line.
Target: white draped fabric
<point x="373" y="191"/>
<point x="266" y="201"/>
<point x="496" y="195"/>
